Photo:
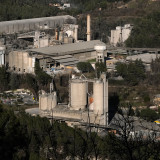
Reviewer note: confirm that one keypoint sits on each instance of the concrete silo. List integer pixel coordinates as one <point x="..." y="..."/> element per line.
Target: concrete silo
<point x="98" y="96"/>
<point x="47" y="101"/>
<point x="78" y="94"/>
<point x="43" y="102"/>
<point x="52" y="100"/>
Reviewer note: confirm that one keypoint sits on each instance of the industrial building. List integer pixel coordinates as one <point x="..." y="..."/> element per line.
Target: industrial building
<point x="54" y="56"/>
<point x="26" y="25"/>
<point x="145" y="58"/>
<point x="21" y="62"/>
<point x="120" y="34"/>
<point x="80" y="110"/>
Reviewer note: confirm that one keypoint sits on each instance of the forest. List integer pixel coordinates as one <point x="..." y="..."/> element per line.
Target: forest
<point x="35" y="138"/>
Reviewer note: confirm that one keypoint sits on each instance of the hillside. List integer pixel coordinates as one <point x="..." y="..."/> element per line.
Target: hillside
<point x="105" y="15"/>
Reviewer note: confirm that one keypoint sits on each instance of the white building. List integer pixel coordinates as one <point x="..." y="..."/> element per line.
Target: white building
<point x="120" y="34"/>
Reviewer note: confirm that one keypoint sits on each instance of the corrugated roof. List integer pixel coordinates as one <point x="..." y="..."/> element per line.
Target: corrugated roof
<point x="34" y="20"/>
<point x="66" y="60"/>
<point x="146" y="58"/>
<point x="16" y="26"/>
<point x="67" y="48"/>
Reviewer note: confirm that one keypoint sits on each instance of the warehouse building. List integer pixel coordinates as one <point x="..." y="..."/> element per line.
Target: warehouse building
<point x="146" y="58"/>
<point x="53" y="56"/>
<point x="26" y="25"/>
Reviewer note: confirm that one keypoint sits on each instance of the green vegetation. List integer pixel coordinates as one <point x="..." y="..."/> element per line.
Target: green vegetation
<point x="149" y="114"/>
<point x="100" y="68"/>
<point x="23" y="9"/>
<point x="132" y="73"/>
<point x="85" y="67"/>
<point x="32" y="82"/>
<point x="146" y="32"/>
<point x="26" y="137"/>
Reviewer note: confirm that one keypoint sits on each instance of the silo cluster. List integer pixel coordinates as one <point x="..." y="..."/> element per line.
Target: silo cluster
<point x="98" y="103"/>
<point x="47" y="101"/>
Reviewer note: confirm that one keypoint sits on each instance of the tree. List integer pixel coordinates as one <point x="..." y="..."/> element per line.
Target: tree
<point x="4" y="79"/>
<point x="133" y="73"/>
<point x="14" y="81"/>
<point x="148" y="114"/>
<point x="84" y="67"/>
<point x="42" y="77"/>
<point x="100" y="67"/>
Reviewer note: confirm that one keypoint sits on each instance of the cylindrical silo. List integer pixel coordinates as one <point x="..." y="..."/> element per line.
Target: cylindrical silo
<point x="43" y="102"/>
<point x="98" y="97"/>
<point x="52" y="101"/>
<point x="78" y="94"/>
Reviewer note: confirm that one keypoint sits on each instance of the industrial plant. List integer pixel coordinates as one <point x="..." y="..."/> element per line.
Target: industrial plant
<point x="83" y="108"/>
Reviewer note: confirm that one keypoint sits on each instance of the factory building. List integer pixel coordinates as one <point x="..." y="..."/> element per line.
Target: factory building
<point x="81" y="50"/>
<point x="78" y="110"/>
<point x="26" y="25"/>
<point x="21" y="62"/>
<point x="146" y="58"/>
<point x="120" y="34"/>
<point x="54" y="56"/>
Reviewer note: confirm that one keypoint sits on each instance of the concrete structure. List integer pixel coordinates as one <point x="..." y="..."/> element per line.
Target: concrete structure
<point x="25" y="25"/>
<point x="120" y="35"/>
<point x="145" y="58"/>
<point x="71" y="30"/>
<point x="41" y="40"/>
<point x="78" y="111"/>
<point x="98" y="97"/>
<point x="100" y="48"/>
<point x="52" y="57"/>
<point x="78" y="91"/>
<point x="21" y="62"/>
<point x="47" y="101"/>
<point x="88" y="27"/>
<point x="80" y="50"/>
<point x="2" y="55"/>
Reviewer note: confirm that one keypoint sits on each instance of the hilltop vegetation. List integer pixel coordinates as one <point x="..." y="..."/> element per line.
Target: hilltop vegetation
<point x="23" y="9"/>
<point x="105" y="15"/>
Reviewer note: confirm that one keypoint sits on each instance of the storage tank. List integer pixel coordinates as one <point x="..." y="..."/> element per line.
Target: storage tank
<point x="47" y="101"/>
<point x="78" y="94"/>
<point x="43" y="102"/>
<point x="98" y="97"/>
<point x="52" y="101"/>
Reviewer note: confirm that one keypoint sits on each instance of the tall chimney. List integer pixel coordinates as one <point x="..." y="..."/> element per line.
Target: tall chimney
<point x="88" y="27"/>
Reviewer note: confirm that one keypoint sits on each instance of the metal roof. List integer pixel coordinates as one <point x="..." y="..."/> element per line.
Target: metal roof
<point x="146" y="58"/>
<point x="71" y="48"/>
<point x="66" y="60"/>
<point x="16" y="26"/>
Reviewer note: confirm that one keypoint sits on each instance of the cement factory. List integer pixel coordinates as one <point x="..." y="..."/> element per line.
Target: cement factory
<point x="83" y="109"/>
<point x="54" y="43"/>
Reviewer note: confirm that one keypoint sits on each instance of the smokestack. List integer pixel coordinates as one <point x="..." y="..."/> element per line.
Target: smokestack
<point x="88" y="27"/>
